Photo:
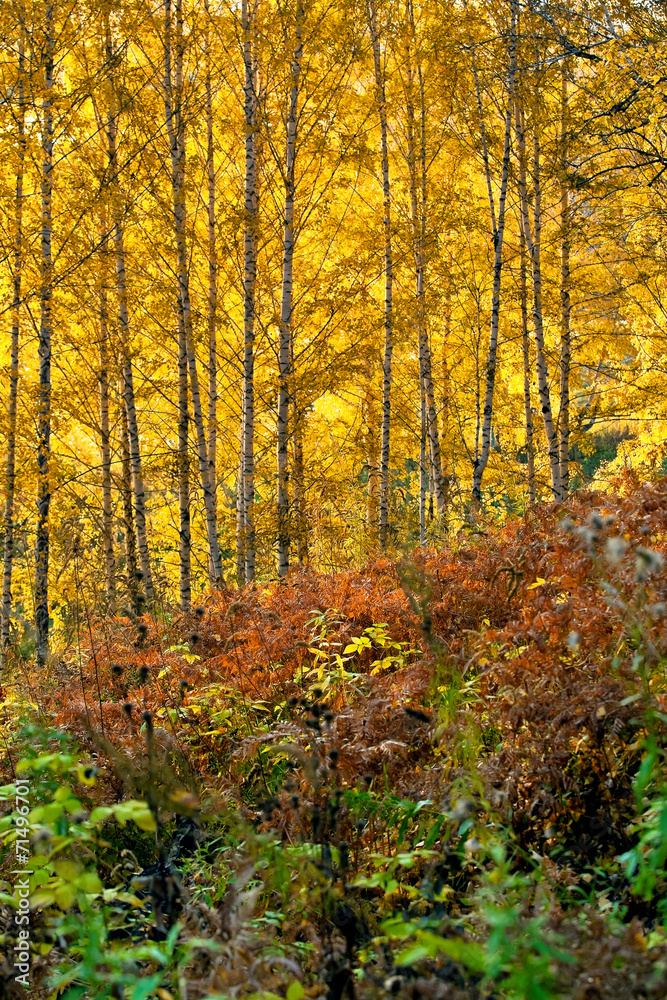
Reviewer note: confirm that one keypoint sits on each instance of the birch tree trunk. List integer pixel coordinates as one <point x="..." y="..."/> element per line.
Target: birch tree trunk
<point x="126" y="494"/>
<point x="240" y="511"/>
<point x="370" y="443"/>
<point x="184" y="535"/>
<point x="565" y="331"/>
<point x="44" y="351"/>
<point x="247" y="463"/>
<point x="285" y="337"/>
<point x="135" y="454"/>
<point x="129" y="400"/>
<point x="17" y="276"/>
<point x="176" y="131"/>
<point x="445" y="403"/>
<point x="212" y="277"/>
<point x="422" y="467"/>
<point x="301" y="528"/>
<point x="525" y="345"/>
<point x="132" y="422"/>
<point x="418" y="238"/>
<point x="533" y="244"/>
<point x="184" y="529"/>
<point x="381" y="101"/>
<point x="481" y="460"/>
<point x="299" y="520"/>
<point x="105" y="443"/>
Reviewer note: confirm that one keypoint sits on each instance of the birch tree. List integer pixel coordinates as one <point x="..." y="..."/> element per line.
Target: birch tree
<point x="381" y="104"/>
<point x="418" y="219"/>
<point x="105" y="436"/>
<point x="527" y="368"/>
<point x="212" y="253"/>
<point x="498" y="231"/>
<point x="12" y="407"/>
<point x="184" y="532"/>
<point x="286" y="301"/>
<point x="129" y="401"/>
<point x="45" y="341"/>
<point x="251" y="220"/>
<point x="175" y="118"/>
<point x="566" y="309"/>
<point x="533" y="243"/>
<point x="124" y="486"/>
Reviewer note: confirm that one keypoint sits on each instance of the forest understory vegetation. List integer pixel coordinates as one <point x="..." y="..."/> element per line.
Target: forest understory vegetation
<point x="438" y="777"/>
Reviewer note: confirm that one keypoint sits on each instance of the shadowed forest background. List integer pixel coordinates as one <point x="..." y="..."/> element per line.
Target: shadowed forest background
<point x="334" y="481"/>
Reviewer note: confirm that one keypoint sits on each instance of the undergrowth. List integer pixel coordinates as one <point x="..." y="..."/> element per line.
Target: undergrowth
<point x="439" y="778"/>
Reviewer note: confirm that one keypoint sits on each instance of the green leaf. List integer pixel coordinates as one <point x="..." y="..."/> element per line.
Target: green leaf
<point x="145" y="987"/>
<point x="434" y="832"/>
<point x="429" y="945"/>
<point x="100" y="814"/>
<point x="74" y="993"/>
<point x="396" y="927"/>
<point x="295" y="991"/>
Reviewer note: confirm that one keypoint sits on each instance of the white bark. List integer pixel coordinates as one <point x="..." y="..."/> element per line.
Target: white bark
<point x="381" y="102"/>
<point x="566" y="309"/>
<point x="17" y="276"/>
<point x="44" y="349"/>
<point x="129" y="400"/>
<point x="285" y="337"/>
<point x="498" y="228"/>
<point x="176" y="130"/>
<point x="126" y="492"/>
<point x="533" y="242"/>
<point x="251" y="199"/>
<point x="525" y="348"/>
<point x="105" y="445"/>
<point x="418" y="240"/>
<point x="212" y="275"/>
<point x="184" y="532"/>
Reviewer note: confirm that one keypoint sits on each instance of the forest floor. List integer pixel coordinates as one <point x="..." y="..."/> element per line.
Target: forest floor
<point x="441" y="777"/>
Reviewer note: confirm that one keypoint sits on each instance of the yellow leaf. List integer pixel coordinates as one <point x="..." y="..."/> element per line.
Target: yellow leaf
<point x="295" y="991"/>
<point x="145" y="821"/>
<point x="68" y="870"/>
<point x="89" y="882"/>
<point x="65" y="896"/>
